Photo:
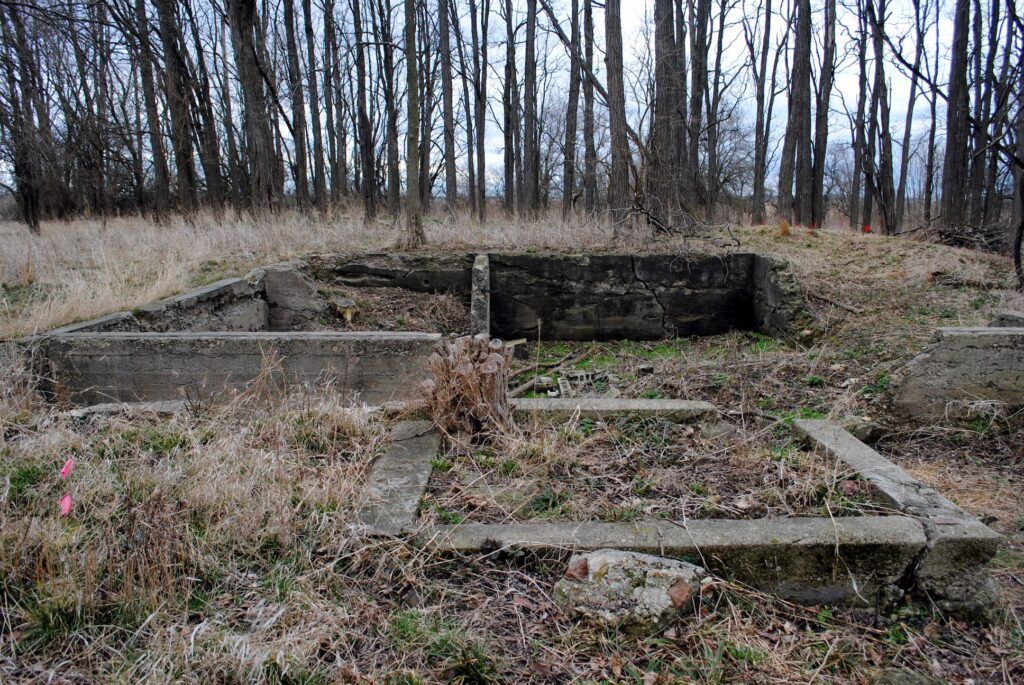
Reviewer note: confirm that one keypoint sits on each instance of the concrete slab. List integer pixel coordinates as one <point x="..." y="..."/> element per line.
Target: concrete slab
<point x="854" y="559"/>
<point x="682" y="411"/>
<point x="398" y="479"/>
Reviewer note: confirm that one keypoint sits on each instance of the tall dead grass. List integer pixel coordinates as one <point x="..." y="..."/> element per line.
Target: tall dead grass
<point x="89" y="267"/>
<point x="169" y="518"/>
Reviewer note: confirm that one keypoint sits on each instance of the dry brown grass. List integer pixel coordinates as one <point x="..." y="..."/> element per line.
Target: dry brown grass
<point x="632" y="469"/>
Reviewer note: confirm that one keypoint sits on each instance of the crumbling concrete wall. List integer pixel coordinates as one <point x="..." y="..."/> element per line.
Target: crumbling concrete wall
<point x="231" y="304"/>
<point x="964" y="365"/>
<point x="779" y="309"/>
<point x="92" y="368"/>
<point x="614" y="296"/>
<point x="292" y="301"/>
<point x="425" y="273"/>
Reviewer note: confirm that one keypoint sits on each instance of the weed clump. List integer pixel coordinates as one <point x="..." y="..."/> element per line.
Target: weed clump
<point x="468" y="397"/>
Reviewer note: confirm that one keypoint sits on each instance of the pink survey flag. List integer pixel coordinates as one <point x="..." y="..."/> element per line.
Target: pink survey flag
<point x="65" y="505"/>
<point x="66" y="469"/>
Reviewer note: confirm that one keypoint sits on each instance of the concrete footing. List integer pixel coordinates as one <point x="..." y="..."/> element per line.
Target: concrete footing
<point x="857" y="560"/>
<point x="681" y="411"/>
<point x="399" y="478"/>
<point x="951" y="569"/>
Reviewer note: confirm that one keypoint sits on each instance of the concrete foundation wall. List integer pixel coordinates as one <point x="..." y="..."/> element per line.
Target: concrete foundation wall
<point x="92" y="368"/>
<point x="608" y="297"/>
<point x="964" y="365"/>
<point x="858" y="559"/>
<point x="591" y="297"/>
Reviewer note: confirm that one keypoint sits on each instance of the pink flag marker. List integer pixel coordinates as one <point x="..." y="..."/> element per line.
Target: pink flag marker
<point x="66" y="469"/>
<point x="65" y="505"/>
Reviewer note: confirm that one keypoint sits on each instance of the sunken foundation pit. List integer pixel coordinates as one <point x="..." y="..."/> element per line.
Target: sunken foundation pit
<point x="367" y="324"/>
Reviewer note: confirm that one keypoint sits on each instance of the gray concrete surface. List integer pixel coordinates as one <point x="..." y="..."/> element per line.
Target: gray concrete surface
<point x="399" y="478"/>
<point x="93" y="368"/>
<point x="961" y="366"/>
<point x="951" y="570"/>
<point x="230" y="304"/>
<point x="682" y="411"/>
<point x="810" y="560"/>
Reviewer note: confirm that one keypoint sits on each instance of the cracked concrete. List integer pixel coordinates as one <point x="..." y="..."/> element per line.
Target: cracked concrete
<point x="962" y="366"/>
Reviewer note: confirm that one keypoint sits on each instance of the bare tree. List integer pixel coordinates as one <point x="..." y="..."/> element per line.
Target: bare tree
<point x="414" y="236"/>
<point x="618" y="179"/>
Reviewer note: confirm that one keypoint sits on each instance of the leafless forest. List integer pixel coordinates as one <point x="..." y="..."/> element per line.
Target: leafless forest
<point x="899" y="115"/>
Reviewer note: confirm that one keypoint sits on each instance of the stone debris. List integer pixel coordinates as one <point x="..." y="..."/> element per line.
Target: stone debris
<point x="294" y="301"/>
<point x="864" y="428"/>
<point x="629" y="591"/>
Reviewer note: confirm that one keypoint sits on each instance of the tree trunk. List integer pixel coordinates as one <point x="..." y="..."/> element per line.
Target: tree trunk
<point x="700" y="15"/>
<point x="660" y="200"/>
<point x="508" y="114"/>
<point x="368" y="174"/>
<point x="956" y="162"/>
<point x="479" y="37"/>
<point x="572" y="110"/>
<point x="177" y="87"/>
<point x="414" y="236"/>
<point x="819" y="211"/>
<point x="589" y="147"/>
<point x="859" y="137"/>
<point x="161" y="174"/>
<point x="319" y="172"/>
<point x="384" y="37"/>
<point x="301" y="171"/>
<point x="209" y="148"/>
<point x="884" y="182"/>
<point x="618" y="181"/>
<point x="451" y="189"/>
<point x="330" y="63"/>
<point x="908" y="122"/>
<point x="759" y="67"/>
<point x="531" y="151"/>
<point x="801" y="98"/>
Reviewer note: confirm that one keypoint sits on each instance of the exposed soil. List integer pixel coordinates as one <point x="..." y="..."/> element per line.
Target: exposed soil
<point x="392" y="309"/>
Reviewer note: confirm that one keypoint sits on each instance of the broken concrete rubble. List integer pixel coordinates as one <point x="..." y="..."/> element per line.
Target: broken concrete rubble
<point x="294" y="303"/>
<point x="637" y="593"/>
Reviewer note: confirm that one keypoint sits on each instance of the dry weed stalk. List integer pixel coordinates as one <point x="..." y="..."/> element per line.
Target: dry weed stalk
<point x="469" y="393"/>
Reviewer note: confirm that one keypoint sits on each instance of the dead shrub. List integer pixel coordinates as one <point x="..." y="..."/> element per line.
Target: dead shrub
<point x="468" y="397"/>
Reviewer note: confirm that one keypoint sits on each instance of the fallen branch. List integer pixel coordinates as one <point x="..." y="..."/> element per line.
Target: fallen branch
<point x="848" y="307"/>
